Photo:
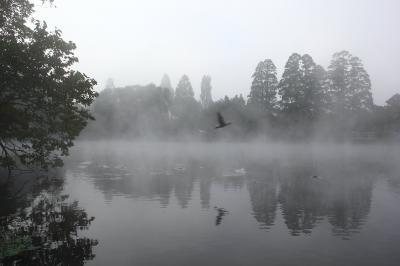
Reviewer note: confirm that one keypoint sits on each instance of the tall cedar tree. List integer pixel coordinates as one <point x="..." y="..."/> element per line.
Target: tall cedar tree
<point x="349" y="84"/>
<point x="263" y="90"/>
<point x="302" y="87"/>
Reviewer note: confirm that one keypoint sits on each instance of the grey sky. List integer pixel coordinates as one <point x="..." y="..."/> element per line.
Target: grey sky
<point x="136" y="42"/>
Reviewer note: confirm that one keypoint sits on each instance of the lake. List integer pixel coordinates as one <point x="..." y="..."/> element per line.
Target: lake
<point x="226" y="204"/>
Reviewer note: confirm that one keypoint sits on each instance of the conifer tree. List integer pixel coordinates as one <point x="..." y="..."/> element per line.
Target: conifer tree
<point x="166" y="82"/>
<point x="303" y="87"/>
<point x="184" y="88"/>
<point x="290" y="88"/>
<point x="349" y="84"/>
<point x="205" y="95"/>
<point x="264" y="86"/>
<point x="185" y="108"/>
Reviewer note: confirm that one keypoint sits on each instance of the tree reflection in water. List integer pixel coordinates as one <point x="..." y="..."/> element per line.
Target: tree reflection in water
<point x="42" y="227"/>
<point x="305" y="191"/>
<point x="262" y="186"/>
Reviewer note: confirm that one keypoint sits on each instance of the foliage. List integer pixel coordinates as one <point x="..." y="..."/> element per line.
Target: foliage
<point x="135" y="111"/>
<point x="350" y="86"/>
<point x="184" y="88"/>
<point x="301" y="87"/>
<point x="166" y="82"/>
<point x="46" y="234"/>
<point x="351" y="102"/>
<point x="43" y="101"/>
<point x="307" y="102"/>
<point x="264" y="87"/>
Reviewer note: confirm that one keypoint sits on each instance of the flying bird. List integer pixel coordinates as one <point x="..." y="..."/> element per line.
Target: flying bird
<point x="221" y="121"/>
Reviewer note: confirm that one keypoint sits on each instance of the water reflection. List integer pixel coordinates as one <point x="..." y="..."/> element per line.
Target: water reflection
<point x="302" y="197"/>
<point x="40" y="226"/>
<point x="305" y="190"/>
<point x="349" y="208"/>
<point x="262" y="185"/>
<point x="221" y="213"/>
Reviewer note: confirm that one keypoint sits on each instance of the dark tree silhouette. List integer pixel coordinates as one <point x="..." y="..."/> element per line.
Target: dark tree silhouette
<point x="302" y="87"/>
<point x="43" y="101"/>
<point x="39" y="225"/>
<point x="47" y="235"/>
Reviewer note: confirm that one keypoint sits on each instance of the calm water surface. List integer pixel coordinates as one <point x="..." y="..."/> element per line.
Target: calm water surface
<point x="236" y="204"/>
<point x="239" y="204"/>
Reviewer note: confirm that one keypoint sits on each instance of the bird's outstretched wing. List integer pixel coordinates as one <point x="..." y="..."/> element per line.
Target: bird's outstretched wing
<point x="221" y="119"/>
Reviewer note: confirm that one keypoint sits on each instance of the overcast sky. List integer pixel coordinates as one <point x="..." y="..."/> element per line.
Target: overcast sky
<point x="137" y="41"/>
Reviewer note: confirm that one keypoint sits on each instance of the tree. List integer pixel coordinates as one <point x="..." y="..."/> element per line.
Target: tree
<point x="392" y="114"/>
<point x="205" y="95"/>
<point x="43" y="102"/>
<point x="166" y="82"/>
<point x="184" y="88"/>
<point x="394" y="101"/>
<point x="239" y="100"/>
<point x="302" y="87"/>
<point x="350" y="95"/>
<point x="167" y="90"/>
<point x="350" y="86"/>
<point x="110" y="84"/>
<point x="289" y="85"/>
<point x="264" y="86"/>
<point x="185" y="109"/>
<point x="134" y="111"/>
<point x="314" y="87"/>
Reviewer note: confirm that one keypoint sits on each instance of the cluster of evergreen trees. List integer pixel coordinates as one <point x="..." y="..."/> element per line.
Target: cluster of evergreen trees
<point x="308" y="97"/>
<point x="306" y="102"/>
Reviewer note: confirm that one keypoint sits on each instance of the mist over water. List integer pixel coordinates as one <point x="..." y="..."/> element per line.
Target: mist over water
<point x="238" y="204"/>
<point x="199" y="133"/>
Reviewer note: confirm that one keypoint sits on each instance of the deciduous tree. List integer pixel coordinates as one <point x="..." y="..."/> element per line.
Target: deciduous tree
<point x="43" y="101"/>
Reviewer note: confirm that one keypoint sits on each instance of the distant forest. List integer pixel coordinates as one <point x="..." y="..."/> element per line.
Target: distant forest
<point x="307" y="102"/>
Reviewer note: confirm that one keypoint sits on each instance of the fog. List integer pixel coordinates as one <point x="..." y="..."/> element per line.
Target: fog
<point x="306" y="203"/>
<point x="136" y="42"/>
<point x="199" y="132"/>
<point x="230" y="202"/>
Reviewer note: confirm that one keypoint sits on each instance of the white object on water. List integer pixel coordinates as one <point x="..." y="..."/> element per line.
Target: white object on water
<point x="241" y="171"/>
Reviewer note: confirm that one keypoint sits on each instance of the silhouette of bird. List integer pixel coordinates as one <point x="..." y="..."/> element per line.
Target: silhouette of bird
<point x="221" y="121"/>
<point x="221" y="213"/>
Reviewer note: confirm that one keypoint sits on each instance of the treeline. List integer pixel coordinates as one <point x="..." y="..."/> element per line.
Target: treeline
<point x="306" y="102"/>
